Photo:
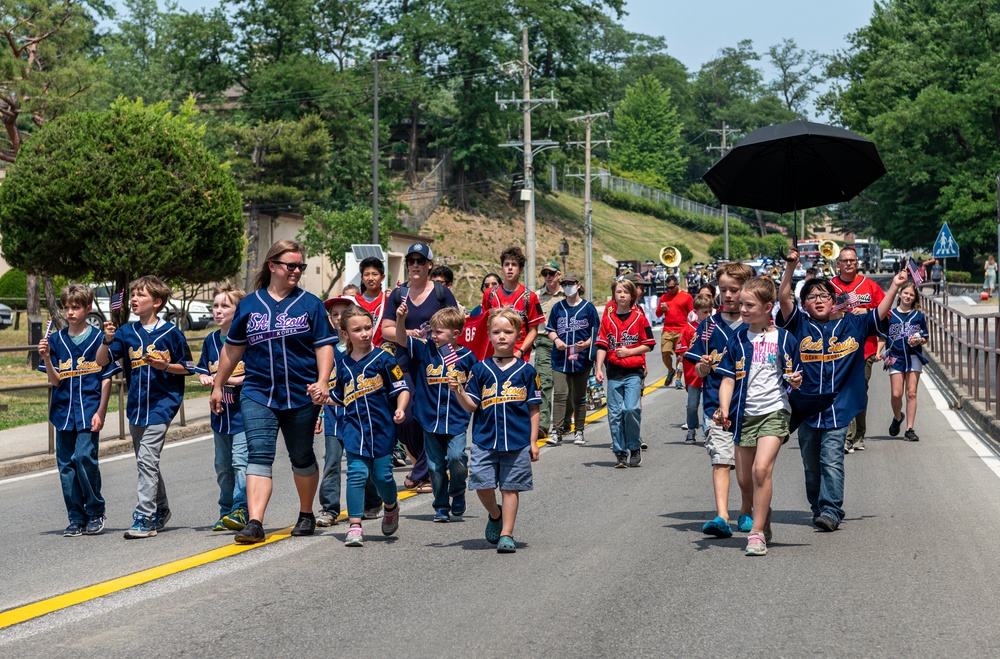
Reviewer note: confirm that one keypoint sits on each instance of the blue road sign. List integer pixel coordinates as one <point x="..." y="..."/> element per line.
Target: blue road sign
<point x="945" y="246"/>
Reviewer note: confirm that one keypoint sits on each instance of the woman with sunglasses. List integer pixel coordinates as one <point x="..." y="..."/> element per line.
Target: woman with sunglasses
<point x="423" y="299"/>
<point x="282" y="334"/>
<point x="832" y="354"/>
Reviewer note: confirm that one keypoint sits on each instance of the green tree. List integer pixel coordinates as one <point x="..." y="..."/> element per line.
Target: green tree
<point x="332" y="232"/>
<point x="647" y="131"/>
<point x="114" y="194"/>
<point x="738" y="249"/>
<point x="796" y="80"/>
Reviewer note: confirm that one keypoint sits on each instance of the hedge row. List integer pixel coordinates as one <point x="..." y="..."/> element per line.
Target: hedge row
<point x="664" y="211"/>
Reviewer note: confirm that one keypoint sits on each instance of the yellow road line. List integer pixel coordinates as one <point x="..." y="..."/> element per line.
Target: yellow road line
<point x="66" y="600"/>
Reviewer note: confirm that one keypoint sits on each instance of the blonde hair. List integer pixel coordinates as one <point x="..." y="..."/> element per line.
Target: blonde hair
<point x="703" y="302"/>
<point x="505" y="313"/>
<point x="630" y="288"/>
<point x="77" y="294"/>
<point x="761" y="288"/>
<point x="916" y="294"/>
<point x="353" y="311"/>
<point x="263" y="278"/>
<point x="448" y="318"/>
<point x="230" y="291"/>
<point x="154" y="286"/>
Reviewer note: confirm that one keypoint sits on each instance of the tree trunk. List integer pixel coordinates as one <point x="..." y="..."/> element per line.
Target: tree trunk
<point x="412" y="157"/>
<point x="253" y="244"/>
<point x="51" y="304"/>
<point x="32" y="304"/>
<point x="461" y="194"/>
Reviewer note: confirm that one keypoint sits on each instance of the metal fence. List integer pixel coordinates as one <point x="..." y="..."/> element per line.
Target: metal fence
<point x="426" y="196"/>
<point x="966" y="347"/>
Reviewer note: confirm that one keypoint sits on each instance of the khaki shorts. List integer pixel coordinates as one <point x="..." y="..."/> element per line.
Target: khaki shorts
<point x="774" y="424"/>
<point x="669" y="342"/>
<point x="719" y="444"/>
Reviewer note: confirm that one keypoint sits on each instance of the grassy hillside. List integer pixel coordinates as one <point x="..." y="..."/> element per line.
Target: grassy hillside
<point x="471" y="242"/>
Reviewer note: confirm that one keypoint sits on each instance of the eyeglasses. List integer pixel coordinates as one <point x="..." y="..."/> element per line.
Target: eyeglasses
<point x="847" y="260"/>
<point x="418" y="261"/>
<point x="301" y="267"/>
<point x="822" y="297"/>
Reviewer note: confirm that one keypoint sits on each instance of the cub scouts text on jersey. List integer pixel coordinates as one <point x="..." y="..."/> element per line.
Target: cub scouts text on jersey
<point x="230" y="420"/>
<point x="435" y="406"/>
<point x="502" y="420"/>
<point x="711" y="339"/>
<point x="154" y="396"/>
<point x="77" y="397"/>
<point x="366" y="388"/>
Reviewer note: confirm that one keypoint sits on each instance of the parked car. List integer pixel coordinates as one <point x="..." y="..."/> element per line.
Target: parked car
<point x="6" y="316"/>
<point x="199" y="314"/>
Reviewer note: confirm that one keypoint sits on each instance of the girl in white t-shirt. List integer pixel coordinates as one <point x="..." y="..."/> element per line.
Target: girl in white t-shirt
<point x="756" y="370"/>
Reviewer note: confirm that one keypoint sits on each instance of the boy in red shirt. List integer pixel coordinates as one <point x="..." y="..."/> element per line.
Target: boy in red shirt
<point x="703" y="308"/>
<point x="512" y="293"/>
<point x="372" y="297"/>
<point x="673" y="307"/>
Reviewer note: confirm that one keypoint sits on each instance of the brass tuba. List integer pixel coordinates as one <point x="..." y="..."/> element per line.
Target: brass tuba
<point x="829" y="249"/>
<point x="670" y="257"/>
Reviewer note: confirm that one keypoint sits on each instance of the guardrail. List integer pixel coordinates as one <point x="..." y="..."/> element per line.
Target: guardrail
<point x="966" y="346"/>
<point x="118" y="383"/>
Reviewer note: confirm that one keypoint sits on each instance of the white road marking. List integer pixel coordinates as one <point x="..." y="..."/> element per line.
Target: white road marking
<point x="973" y="439"/>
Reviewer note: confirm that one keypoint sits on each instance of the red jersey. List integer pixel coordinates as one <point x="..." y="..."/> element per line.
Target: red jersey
<point x="522" y="301"/>
<point x="688" y="335"/>
<point x="679" y="305"/>
<point x="860" y="293"/>
<point x="377" y="309"/>
<point x="632" y="331"/>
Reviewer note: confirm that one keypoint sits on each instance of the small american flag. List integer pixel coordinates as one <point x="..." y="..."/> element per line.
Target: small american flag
<point x="449" y="355"/>
<point x="118" y="300"/>
<point x="48" y="328"/>
<point x="708" y="332"/>
<point x="404" y="292"/>
<point x="914" y="268"/>
<point x="846" y="301"/>
<point x="887" y="360"/>
<point x="228" y="396"/>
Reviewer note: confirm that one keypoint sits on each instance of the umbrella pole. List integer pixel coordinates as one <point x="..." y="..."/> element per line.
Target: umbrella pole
<point x="725" y="231"/>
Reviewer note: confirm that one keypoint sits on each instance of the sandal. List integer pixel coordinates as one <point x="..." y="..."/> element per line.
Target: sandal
<point x="409" y="483"/>
<point x="424" y="487"/>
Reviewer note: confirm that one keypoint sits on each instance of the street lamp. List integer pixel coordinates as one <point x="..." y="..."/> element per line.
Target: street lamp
<point x="378" y="57"/>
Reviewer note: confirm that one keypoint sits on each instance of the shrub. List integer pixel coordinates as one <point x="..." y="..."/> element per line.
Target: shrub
<point x="959" y="277"/>
<point x="687" y="219"/>
<point x="738" y="249"/>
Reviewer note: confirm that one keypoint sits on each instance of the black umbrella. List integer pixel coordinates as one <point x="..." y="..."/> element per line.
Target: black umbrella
<point x="806" y="406"/>
<point x="789" y="167"/>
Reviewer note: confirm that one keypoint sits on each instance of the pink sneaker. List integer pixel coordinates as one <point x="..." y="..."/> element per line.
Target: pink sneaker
<point x="355" y="537"/>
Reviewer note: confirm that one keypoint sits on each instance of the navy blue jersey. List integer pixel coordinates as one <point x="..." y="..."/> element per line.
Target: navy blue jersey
<point x="902" y="326"/>
<point x="230" y="421"/>
<point x="435" y="405"/>
<point x="719" y="334"/>
<point x="572" y="324"/>
<point x="78" y="395"/>
<point x="832" y="356"/>
<point x="366" y="389"/>
<point x="154" y="396"/>
<point x="502" y="420"/>
<point x="736" y="364"/>
<point x="281" y="339"/>
<point x="333" y="415"/>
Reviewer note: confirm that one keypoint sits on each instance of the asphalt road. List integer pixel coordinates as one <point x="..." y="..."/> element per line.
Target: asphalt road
<point x="609" y="563"/>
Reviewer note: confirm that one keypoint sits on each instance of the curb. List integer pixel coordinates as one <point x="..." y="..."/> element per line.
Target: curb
<point x="107" y="447"/>
<point x="964" y="402"/>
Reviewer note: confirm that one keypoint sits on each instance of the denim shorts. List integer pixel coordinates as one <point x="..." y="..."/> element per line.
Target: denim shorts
<point x="719" y="444"/>
<point x="915" y="367"/>
<point x="262" y="424"/>
<point x="774" y="424"/>
<point x="510" y="470"/>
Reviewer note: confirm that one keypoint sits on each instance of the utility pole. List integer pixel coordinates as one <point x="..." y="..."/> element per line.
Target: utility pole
<point x="723" y="150"/>
<point x="588" y="211"/>
<point x="375" y="161"/>
<point x="528" y="191"/>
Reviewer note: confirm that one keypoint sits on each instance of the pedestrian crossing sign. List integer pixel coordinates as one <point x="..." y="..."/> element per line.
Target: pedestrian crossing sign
<point x="945" y="246"/>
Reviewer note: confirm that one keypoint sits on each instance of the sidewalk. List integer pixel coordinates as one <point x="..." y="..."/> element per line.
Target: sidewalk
<point x="25" y="448"/>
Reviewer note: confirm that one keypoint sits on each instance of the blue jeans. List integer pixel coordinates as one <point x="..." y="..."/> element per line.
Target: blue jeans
<point x="446" y="456"/>
<point x="624" y="414"/>
<point x="411" y="435"/>
<point x="261" y="424"/>
<point x="693" y="418"/>
<point x="231" y="471"/>
<point x="79" y="475"/>
<point x="822" y="452"/>
<point x="329" y="486"/>
<point x="358" y="469"/>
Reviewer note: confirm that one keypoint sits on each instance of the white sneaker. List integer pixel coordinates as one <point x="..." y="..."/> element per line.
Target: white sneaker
<point x="578" y="438"/>
<point x="555" y="439"/>
<point x="684" y="427"/>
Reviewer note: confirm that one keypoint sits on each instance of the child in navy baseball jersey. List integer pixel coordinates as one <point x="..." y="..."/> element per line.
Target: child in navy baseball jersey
<point x="433" y="365"/>
<point x="512" y="293"/>
<point x="227" y="424"/>
<point x="156" y="358"/>
<point x="370" y="385"/>
<point x="753" y="398"/>
<point x="623" y="340"/>
<point x="831" y="350"/>
<point x="901" y="350"/>
<point x="703" y="307"/>
<point x="706" y="352"/>
<point x="79" y="401"/>
<point x="572" y="326"/>
<point x="503" y="393"/>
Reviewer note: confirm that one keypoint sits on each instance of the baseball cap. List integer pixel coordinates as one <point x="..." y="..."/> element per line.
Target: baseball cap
<point x="422" y="249"/>
<point x="338" y="299"/>
<point x="551" y="264"/>
<point x="569" y="278"/>
<point x="632" y="277"/>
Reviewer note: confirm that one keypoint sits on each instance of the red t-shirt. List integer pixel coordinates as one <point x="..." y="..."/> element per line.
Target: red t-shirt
<point x="632" y="331"/>
<point x="679" y="305"/>
<point x="688" y="335"/>
<point x="377" y="309"/>
<point x="860" y="293"/>
<point x="524" y="302"/>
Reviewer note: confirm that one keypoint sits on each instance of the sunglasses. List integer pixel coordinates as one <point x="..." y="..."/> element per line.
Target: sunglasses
<point x="301" y="267"/>
<point x="419" y="261"/>
<point x="549" y="273"/>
